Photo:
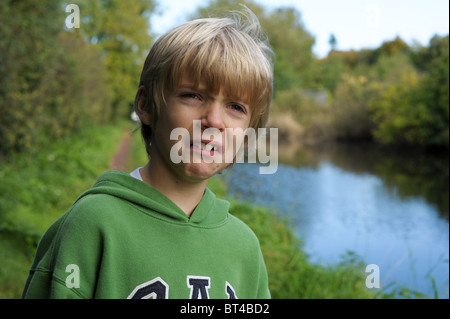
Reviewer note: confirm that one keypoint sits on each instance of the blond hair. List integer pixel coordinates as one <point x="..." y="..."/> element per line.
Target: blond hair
<point x="226" y="53"/>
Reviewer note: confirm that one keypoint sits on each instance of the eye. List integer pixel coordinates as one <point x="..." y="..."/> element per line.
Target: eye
<point x="190" y="96"/>
<point x="237" y="107"/>
<point x="192" y="99"/>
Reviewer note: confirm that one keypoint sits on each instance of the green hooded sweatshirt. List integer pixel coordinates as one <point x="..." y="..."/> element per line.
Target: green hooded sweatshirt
<point x="124" y="239"/>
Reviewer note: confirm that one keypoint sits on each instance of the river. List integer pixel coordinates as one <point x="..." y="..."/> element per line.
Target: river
<point x="389" y="207"/>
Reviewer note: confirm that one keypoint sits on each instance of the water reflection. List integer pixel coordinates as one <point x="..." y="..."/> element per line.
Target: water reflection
<point x="404" y="172"/>
<point x="389" y="207"/>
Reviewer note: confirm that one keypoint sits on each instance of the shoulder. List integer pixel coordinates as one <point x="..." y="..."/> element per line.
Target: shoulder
<point x="81" y="218"/>
<point x="84" y="219"/>
<point x="75" y="229"/>
<point x="242" y="232"/>
<point x="241" y="225"/>
<point x="94" y="207"/>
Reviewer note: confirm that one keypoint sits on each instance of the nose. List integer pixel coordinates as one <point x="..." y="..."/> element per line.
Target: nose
<point x="213" y="117"/>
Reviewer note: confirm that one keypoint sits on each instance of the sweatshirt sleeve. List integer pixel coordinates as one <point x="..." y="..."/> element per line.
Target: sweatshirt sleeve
<point x="67" y="258"/>
<point x="42" y="285"/>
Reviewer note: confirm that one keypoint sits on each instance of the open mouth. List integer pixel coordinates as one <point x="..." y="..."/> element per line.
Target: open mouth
<point x="206" y="147"/>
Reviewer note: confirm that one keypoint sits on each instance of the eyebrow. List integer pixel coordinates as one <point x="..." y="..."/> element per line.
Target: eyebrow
<point x="191" y="86"/>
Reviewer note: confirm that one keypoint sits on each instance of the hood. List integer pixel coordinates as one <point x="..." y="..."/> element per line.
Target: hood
<point x="211" y="211"/>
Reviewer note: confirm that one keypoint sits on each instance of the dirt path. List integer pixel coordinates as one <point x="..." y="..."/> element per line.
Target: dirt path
<point x="119" y="160"/>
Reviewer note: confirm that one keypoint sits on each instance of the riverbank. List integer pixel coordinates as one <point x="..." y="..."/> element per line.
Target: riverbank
<point x="294" y="134"/>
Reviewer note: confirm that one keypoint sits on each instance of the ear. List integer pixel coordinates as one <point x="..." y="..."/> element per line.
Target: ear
<point x="141" y="109"/>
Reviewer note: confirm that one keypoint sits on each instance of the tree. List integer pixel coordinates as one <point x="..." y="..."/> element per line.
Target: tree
<point x="398" y="107"/>
<point x="412" y="101"/>
<point x="31" y="58"/>
<point x="55" y="81"/>
<point x="292" y="44"/>
<point x="332" y="42"/>
<point x="435" y="88"/>
<point x="121" y="29"/>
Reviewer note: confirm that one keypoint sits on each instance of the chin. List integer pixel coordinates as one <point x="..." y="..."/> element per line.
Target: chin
<point x="202" y="171"/>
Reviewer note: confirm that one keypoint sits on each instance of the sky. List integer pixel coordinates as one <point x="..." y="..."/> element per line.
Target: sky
<point x="356" y="24"/>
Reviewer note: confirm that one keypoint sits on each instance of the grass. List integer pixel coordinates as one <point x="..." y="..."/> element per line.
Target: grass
<point x="37" y="187"/>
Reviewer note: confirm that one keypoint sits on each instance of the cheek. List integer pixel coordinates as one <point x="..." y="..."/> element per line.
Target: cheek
<point x="161" y="133"/>
<point x="176" y="116"/>
<point x="168" y="123"/>
<point x="169" y="120"/>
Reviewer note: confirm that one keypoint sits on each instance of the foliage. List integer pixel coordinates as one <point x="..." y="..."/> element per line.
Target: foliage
<point x="27" y="43"/>
<point x="329" y="71"/>
<point x="351" y="119"/>
<point x="42" y="93"/>
<point x="292" y="44"/>
<point x="57" y="81"/>
<point x="413" y="108"/>
<point x="120" y="29"/>
<point x="393" y="95"/>
<point x="67" y="167"/>
<point x="400" y="114"/>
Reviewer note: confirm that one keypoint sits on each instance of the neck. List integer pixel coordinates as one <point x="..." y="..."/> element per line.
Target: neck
<point x="185" y="194"/>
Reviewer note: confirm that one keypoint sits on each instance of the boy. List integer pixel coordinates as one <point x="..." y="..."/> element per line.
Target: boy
<point x="159" y="232"/>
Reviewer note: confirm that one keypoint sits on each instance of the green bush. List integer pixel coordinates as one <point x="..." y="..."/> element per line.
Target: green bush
<point x="40" y="185"/>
